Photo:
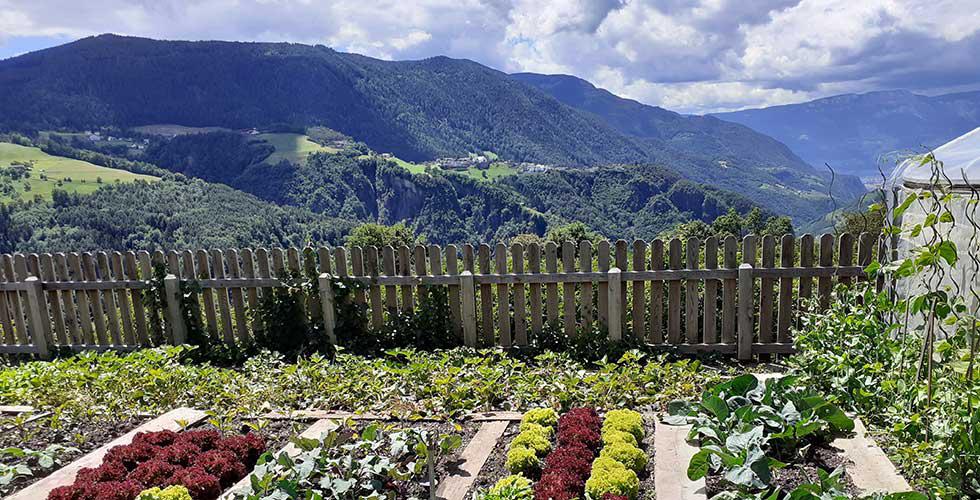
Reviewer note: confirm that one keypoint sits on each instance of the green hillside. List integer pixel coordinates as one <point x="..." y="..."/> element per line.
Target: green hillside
<point x="293" y="148"/>
<point x="50" y="172"/>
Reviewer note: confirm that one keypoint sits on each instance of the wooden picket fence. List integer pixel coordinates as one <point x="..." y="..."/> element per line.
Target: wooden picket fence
<point x="713" y="295"/>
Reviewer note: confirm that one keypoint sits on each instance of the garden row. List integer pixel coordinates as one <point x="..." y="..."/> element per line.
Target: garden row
<point x="744" y="438"/>
<point x="184" y="455"/>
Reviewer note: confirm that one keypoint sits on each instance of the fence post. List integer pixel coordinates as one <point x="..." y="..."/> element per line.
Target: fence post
<point x="171" y="285"/>
<point x="326" y="303"/>
<point x="468" y="290"/>
<point x="746" y="292"/>
<point x="40" y="326"/>
<point x="615" y="314"/>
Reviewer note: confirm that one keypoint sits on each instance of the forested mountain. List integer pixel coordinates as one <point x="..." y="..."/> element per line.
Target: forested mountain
<point x="418" y="110"/>
<point x="175" y="213"/>
<point x="851" y="131"/>
<point x="743" y="160"/>
<point x="617" y="201"/>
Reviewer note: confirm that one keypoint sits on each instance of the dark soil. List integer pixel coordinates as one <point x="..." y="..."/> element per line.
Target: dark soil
<point x="446" y="465"/>
<point x="277" y="433"/>
<point x="823" y="457"/>
<point x="494" y="470"/>
<point x="37" y="435"/>
<point x="647" y="488"/>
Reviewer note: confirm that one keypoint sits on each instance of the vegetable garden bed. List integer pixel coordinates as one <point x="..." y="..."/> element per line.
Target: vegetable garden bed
<point x="179" y="453"/>
<point x="34" y="445"/>
<point x="773" y="439"/>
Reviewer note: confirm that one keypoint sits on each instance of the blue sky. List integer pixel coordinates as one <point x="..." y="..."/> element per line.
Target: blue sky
<point x="691" y="56"/>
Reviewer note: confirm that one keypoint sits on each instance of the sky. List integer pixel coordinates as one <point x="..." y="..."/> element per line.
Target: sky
<point x="691" y="56"/>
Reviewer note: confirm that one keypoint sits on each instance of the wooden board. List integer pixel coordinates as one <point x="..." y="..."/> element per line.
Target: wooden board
<point x="472" y="458"/>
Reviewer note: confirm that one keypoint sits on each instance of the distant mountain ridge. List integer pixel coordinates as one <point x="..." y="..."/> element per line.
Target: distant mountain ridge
<point x="743" y="159"/>
<point x="851" y="131"/>
<point x="418" y="110"/>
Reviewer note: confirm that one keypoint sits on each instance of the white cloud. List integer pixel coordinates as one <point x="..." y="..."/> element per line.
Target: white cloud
<point x="687" y="55"/>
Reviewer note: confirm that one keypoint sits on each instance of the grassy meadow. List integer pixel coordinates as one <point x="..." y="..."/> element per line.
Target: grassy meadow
<point x="293" y="147"/>
<point x="84" y="176"/>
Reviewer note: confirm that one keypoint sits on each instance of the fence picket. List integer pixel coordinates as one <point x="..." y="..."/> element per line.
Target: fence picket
<point x="520" y="304"/>
<point x="391" y="292"/>
<point x="710" y="292"/>
<point x="95" y="299"/>
<point x="603" y="299"/>
<point x="503" y="297"/>
<point x="122" y="300"/>
<point x="534" y="267"/>
<point x="371" y="268"/>
<point x="111" y="308"/>
<point x="551" y="289"/>
<point x="674" y="296"/>
<point x="357" y="270"/>
<point x="866" y="244"/>
<point x="568" y="289"/>
<point x="656" y="293"/>
<point x="67" y="300"/>
<point x="6" y="303"/>
<point x="146" y="273"/>
<point x="54" y="300"/>
<point x="622" y="262"/>
<point x="729" y="290"/>
<point x="435" y="260"/>
<point x="638" y="316"/>
<point x="204" y="273"/>
<point x="486" y="297"/>
<point x="691" y="295"/>
<point x="585" y="264"/>
<point x="452" y="268"/>
<point x="252" y="293"/>
<point x="787" y="256"/>
<point x="806" y="261"/>
<point x="224" y="308"/>
<point x="825" y="283"/>
<point x="766" y="291"/>
<point x="237" y="296"/>
<point x="420" y="270"/>
<point x="86" y="302"/>
<point x="845" y="254"/>
<point x="405" y="269"/>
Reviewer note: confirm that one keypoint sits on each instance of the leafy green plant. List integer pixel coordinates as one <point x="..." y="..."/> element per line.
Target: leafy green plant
<point x="285" y="325"/>
<point x="514" y="487"/>
<point x="25" y="457"/>
<point x="746" y="428"/>
<point x="374" y="463"/>
<point x="611" y="477"/>
<point x="827" y="487"/>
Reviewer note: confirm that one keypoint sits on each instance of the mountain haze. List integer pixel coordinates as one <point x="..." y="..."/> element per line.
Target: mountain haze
<point x="418" y="110"/>
<point x="851" y="131"/>
<point x="741" y="159"/>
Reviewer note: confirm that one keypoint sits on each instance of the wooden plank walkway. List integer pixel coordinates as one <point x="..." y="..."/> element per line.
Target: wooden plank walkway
<point x="871" y="471"/>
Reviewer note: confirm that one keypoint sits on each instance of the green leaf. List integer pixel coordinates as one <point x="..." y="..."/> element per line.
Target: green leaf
<point x="899" y="210"/>
<point x="716" y="406"/>
<point x="947" y="250"/>
<point x="698" y="467"/>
